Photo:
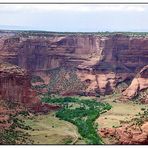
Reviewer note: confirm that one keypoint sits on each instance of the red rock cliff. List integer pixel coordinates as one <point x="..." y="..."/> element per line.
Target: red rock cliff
<point x="100" y="62"/>
<point x="139" y="84"/>
<point x="15" y="85"/>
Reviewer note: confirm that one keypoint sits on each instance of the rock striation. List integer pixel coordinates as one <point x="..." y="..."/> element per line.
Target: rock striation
<point x="99" y="62"/>
<point x="15" y="85"/>
<point x="138" y="85"/>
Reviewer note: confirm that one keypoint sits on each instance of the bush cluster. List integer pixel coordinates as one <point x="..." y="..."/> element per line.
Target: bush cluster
<point x="83" y="116"/>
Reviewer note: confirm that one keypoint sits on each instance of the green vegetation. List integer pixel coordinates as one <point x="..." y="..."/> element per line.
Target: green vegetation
<point x="141" y="117"/>
<point x="10" y="136"/>
<point x="15" y="134"/>
<point x="12" y="128"/>
<point x="68" y="141"/>
<point x="51" y="33"/>
<point x="39" y="86"/>
<point x="36" y="79"/>
<point x="81" y="113"/>
<point x="141" y="95"/>
<point x="64" y="80"/>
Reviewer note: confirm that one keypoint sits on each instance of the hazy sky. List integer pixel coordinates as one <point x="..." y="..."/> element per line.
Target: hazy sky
<point x="74" y="17"/>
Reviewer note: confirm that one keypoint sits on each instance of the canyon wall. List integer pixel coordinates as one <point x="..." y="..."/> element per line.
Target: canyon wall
<point x="15" y="85"/>
<point x="98" y="63"/>
<point x="40" y="53"/>
<point x="138" y="87"/>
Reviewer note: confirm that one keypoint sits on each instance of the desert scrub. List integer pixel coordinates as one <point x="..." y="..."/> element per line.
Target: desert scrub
<point x="39" y="86"/>
<point x="15" y="134"/>
<point x="50" y="34"/>
<point x="141" y="95"/>
<point x="83" y="116"/>
<point x="63" y="80"/>
<point x="141" y="117"/>
<point x="35" y="79"/>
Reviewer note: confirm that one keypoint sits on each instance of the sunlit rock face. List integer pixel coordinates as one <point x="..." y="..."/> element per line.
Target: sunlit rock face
<point x="98" y="63"/>
<point x="138" y="85"/>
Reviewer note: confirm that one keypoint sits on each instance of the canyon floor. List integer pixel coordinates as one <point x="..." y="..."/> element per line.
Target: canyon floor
<point x="48" y="129"/>
<point x="120" y="111"/>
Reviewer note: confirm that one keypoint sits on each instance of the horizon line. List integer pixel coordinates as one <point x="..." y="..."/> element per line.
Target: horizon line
<point x="47" y="31"/>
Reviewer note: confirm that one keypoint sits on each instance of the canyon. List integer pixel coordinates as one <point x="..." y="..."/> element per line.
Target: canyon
<point x="35" y="64"/>
<point x="90" y="64"/>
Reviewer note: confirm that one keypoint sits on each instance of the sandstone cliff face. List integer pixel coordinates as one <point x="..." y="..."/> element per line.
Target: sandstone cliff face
<point x="15" y="85"/>
<point x="126" y="53"/>
<point x="139" y="83"/>
<point x="99" y="62"/>
<point x="16" y="95"/>
<point x="41" y="53"/>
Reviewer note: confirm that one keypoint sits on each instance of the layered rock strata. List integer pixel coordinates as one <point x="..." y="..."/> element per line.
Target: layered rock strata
<point x="100" y="62"/>
<point x="15" y="85"/>
<point x="139" y="85"/>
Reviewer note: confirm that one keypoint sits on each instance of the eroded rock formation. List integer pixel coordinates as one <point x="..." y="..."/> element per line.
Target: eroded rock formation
<point x="15" y="85"/>
<point x="99" y="62"/>
<point x="16" y="94"/>
<point x="127" y="134"/>
<point x="138" y="85"/>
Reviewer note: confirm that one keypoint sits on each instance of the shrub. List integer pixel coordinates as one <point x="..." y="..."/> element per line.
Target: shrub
<point x="36" y="79"/>
<point x="83" y="116"/>
<point x="142" y="109"/>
